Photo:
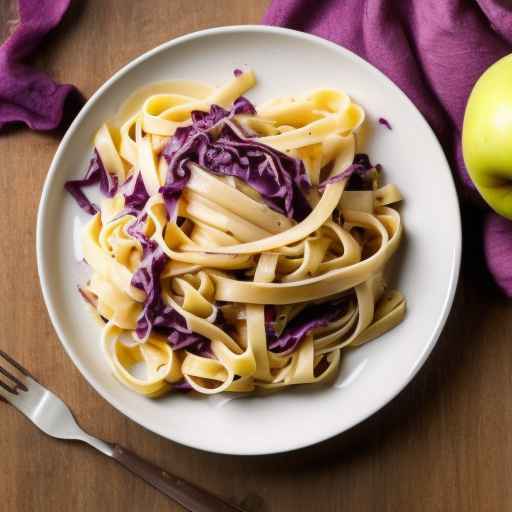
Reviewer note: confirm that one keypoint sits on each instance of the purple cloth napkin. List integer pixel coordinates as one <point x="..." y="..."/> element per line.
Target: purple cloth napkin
<point x="434" y="50"/>
<point x="28" y="95"/>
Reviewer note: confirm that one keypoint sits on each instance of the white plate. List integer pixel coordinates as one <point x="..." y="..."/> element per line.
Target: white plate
<point x="426" y="267"/>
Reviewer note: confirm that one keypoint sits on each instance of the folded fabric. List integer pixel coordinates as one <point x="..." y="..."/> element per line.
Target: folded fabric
<point x="26" y="94"/>
<point x="434" y="50"/>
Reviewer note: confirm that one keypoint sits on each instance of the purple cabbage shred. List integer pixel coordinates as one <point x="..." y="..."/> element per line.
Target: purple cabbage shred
<point x="182" y="385"/>
<point x="96" y="173"/>
<point x="155" y="313"/>
<point x="385" y="122"/>
<point x="312" y="317"/>
<point x="147" y="279"/>
<point x="356" y="172"/>
<point x="281" y="180"/>
<point x="135" y="195"/>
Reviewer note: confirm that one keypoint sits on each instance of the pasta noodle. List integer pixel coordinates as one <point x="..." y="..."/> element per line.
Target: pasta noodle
<point x="237" y="248"/>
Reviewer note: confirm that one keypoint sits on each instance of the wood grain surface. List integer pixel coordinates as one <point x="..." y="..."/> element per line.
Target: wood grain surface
<point x="444" y="444"/>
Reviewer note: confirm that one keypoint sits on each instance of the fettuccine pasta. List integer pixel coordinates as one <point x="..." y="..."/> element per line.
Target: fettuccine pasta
<point x="236" y="248"/>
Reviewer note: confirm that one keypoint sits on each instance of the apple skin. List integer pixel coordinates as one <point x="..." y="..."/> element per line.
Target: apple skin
<point x="487" y="136"/>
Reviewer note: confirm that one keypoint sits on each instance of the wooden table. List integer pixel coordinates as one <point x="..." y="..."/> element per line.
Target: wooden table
<point x="444" y="444"/>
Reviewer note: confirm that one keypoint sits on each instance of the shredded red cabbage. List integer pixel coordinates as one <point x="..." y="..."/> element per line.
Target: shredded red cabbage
<point x="202" y="348"/>
<point x="182" y="385"/>
<point x="312" y="317"/>
<point x="158" y="316"/>
<point x="363" y="160"/>
<point x="385" y="122"/>
<point x="171" y="324"/>
<point x="135" y="195"/>
<point x="135" y="229"/>
<point x="205" y="121"/>
<point x="147" y="279"/>
<point x="96" y="173"/>
<point x="155" y="313"/>
<point x="279" y="178"/>
<point x="356" y="173"/>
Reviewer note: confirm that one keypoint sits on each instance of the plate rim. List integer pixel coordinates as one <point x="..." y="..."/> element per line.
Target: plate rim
<point x="43" y="207"/>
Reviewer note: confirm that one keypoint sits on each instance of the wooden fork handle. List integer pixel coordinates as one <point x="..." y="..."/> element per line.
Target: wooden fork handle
<point x="189" y="496"/>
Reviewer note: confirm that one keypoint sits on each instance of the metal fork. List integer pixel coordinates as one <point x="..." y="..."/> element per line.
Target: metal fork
<point x="52" y="416"/>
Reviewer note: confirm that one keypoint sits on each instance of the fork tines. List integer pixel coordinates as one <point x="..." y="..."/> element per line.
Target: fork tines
<point x="18" y="385"/>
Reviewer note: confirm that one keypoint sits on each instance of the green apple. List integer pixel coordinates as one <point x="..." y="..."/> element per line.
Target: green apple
<point x="487" y="136"/>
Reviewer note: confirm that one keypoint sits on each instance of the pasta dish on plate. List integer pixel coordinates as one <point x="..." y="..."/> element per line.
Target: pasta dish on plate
<point x="235" y="247"/>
